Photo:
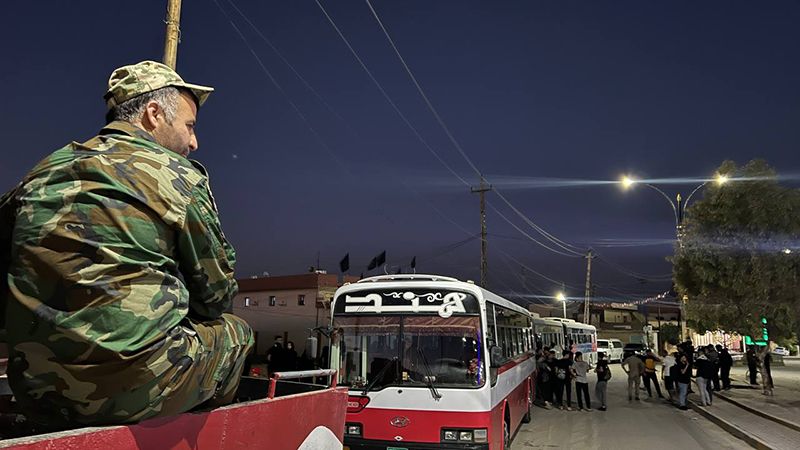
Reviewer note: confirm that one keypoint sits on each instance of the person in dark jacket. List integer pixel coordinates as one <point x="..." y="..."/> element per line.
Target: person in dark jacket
<point x="713" y="356"/>
<point x="705" y="373"/>
<point x="752" y="364"/>
<point x="563" y="380"/>
<point x="725" y="364"/>
<point x="683" y="376"/>
<point x="275" y="356"/>
<point x="603" y="375"/>
<point x="544" y="379"/>
<point x="290" y="357"/>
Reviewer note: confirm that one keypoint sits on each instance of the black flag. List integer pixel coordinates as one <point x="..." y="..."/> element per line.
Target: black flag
<point x="344" y="264"/>
<point x="372" y="264"/>
<point x="381" y="259"/>
<point x="414" y="262"/>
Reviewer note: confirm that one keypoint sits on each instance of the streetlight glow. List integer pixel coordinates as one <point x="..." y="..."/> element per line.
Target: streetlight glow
<point x="627" y="182"/>
<point x="563" y="299"/>
<point x="788" y="251"/>
<point x="722" y="179"/>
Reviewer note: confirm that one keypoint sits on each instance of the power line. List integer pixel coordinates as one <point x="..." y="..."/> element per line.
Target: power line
<point x="458" y="147"/>
<point x="625" y="271"/>
<point x="503" y="216"/>
<point x="386" y="96"/>
<point x="289" y="65"/>
<point x="433" y="110"/>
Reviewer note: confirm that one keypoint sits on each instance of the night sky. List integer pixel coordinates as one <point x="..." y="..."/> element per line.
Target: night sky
<point x="532" y="91"/>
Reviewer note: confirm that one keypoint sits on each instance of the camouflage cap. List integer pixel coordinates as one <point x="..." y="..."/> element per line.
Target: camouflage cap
<point x="132" y="81"/>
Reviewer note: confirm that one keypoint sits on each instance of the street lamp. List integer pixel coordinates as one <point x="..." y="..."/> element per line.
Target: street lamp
<point x="563" y="298"/>
<point x="678" y="208"/>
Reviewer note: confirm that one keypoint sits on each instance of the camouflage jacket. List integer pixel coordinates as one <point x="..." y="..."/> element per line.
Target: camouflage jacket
<point x="115" y="245"/>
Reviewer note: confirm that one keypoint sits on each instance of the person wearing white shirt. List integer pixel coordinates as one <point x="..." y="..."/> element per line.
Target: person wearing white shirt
<point x="668" y="362"/>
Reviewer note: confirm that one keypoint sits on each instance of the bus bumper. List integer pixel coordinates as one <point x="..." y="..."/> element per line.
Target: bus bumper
<point x="371" y="444"/>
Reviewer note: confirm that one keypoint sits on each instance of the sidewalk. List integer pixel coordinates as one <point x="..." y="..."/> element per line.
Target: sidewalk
<point x="761" y="421"/>
<point x="784" y="405"/>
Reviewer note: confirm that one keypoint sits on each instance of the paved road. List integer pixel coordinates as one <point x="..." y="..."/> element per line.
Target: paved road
<point x="649" y="424"/>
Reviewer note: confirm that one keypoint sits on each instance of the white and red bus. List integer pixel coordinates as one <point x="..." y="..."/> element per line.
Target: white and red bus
<point x="431" y="362"/>
<point x="566" y="334"/>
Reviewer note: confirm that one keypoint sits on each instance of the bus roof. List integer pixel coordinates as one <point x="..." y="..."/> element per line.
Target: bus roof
<point x="444" y="282"/>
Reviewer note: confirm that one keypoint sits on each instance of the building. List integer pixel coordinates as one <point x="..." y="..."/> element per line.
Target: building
<point x="287" y="306"/>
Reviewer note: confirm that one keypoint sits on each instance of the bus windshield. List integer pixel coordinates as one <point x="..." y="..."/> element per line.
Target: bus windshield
<point x="408" y="350"/>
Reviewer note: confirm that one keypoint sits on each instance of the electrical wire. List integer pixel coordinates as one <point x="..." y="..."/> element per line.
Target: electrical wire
<point x="386" y="96"/>
<point x="290" y="66"/>
<point x="623" y="270"/>
<point x="457" y="145"/>
<point x="430" y="106"/>
<point x="503" y="216"/>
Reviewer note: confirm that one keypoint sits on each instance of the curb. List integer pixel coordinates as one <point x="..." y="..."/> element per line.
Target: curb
<point x="730" y="428"/>
<point x="750" y="409"/>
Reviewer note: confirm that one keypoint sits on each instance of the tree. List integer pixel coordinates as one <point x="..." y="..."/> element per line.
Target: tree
<point x="669" y="333"/>
<point x="738" y="259"/>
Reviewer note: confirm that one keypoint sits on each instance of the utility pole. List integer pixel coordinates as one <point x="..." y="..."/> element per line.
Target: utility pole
<point x="481" y="190"/>
<point x="588" y="257"/>
<point x="679" y="235"/>
<point x="173" y="33"/>
<point x="679" y="220"/>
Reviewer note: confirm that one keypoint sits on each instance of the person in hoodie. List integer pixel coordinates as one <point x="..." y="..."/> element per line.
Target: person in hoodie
<point x="705" y="371"/>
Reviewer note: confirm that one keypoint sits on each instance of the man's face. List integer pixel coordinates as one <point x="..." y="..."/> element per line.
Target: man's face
<point x="178" y="136"/>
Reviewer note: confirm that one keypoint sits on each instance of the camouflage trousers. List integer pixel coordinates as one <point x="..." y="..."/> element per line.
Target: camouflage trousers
<point x="213" y="376"/>
<point x="204" y="363"/>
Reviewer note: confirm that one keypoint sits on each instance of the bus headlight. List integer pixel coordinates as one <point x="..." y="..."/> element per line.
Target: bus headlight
<point x="479" y="435"/>
<point x="450" y="435"/>
<point x="353" y="429"/>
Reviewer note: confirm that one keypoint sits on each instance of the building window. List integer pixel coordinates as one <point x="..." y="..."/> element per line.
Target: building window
<point x="250" y="301"/>
<point x="301" y="299"/>
<point x="272" y="300"/>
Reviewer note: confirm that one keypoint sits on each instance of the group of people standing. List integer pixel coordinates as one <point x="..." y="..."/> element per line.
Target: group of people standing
<point x="710" y="366"/>
<point x="555" y="378"/>
<point x="278" y="358"/>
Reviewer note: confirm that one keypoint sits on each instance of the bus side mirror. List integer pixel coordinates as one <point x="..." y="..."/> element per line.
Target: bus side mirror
<point x="496" y="356"/>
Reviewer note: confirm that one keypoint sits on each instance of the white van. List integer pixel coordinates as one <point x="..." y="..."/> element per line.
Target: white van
<point x="611" y="347"/>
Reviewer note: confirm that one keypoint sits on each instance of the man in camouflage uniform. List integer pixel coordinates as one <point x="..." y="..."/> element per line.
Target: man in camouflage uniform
<point x="118" y="273"/>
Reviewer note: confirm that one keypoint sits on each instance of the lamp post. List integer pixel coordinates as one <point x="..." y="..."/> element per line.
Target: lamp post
<point x="678" y="208"/>
<point x="563" y="298"/>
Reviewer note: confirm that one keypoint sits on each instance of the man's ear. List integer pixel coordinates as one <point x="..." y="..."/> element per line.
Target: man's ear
<point x="151" y="114"/>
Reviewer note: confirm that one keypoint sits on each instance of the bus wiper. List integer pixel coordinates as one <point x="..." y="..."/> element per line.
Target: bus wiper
<point x="429" y="375"/>
<point x="378" y="375"/>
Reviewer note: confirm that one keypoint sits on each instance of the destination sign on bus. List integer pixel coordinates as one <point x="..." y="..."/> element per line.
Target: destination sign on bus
<point x="443" y="304"/>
